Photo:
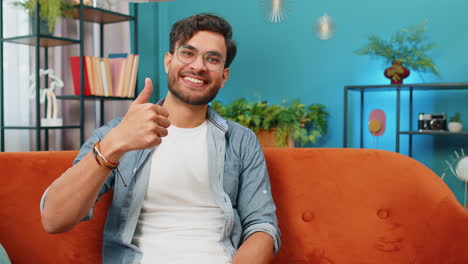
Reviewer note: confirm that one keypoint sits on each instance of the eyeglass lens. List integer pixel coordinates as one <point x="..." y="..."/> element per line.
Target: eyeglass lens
<point x="212" y="60"/>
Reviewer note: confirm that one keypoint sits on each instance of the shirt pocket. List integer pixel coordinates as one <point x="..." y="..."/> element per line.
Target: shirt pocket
<point x="232" y="171"/>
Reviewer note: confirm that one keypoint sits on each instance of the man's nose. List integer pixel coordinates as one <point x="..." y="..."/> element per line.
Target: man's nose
<point x="199" y="63"/>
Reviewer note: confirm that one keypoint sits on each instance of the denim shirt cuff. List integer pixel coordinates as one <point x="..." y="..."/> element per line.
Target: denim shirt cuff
<point x="266" y="228"/>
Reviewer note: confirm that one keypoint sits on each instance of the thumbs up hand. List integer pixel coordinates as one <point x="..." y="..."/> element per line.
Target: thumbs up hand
<point x="142" y="127"/>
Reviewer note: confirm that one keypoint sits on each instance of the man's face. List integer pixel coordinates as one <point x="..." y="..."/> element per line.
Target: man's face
<point x="193" y="83"/>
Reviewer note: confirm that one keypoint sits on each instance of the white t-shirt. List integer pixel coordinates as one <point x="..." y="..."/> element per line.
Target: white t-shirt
<point x="180" y="221"/>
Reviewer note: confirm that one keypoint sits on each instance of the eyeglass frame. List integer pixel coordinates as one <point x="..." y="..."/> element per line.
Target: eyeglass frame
<point x="192" y="48"/>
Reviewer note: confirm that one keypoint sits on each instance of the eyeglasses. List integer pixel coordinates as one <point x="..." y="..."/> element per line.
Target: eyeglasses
<point x="212" y="60"/>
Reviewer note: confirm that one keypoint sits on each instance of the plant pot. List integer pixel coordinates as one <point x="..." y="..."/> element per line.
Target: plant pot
<point x="455" y="126"/>
<point x="43" y="26"/>
<point x="267" y="139"/>
<point x="396" y="73"/>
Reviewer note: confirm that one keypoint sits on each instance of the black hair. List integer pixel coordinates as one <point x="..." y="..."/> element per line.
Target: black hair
<point x="184" y="29"/>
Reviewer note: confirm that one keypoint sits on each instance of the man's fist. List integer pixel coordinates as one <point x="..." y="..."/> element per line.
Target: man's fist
<point x="142" y="127"/>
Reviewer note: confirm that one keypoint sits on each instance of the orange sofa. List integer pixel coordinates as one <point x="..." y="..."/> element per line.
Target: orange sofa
<point x="335" y="206"/>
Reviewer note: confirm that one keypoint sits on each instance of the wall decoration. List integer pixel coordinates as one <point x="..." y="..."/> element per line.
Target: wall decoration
<point x="325" y="27"/>
<point x="276" y="10"/>
<point x="458" y="166"/>
<point x="376" y="123"/>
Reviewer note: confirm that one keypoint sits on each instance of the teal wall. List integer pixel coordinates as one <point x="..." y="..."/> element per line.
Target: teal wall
<point x="286" y="61"/>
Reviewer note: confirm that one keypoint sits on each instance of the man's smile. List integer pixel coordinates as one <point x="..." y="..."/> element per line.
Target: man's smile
<point x="194" y="81"/>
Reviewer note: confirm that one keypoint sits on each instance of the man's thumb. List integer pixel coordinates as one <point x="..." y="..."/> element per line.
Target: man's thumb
<point x="145" y="95"/>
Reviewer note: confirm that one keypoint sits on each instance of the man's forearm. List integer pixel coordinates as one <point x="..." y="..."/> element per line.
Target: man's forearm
<point x="257" y="249"/>
<point x="72" y="195"/>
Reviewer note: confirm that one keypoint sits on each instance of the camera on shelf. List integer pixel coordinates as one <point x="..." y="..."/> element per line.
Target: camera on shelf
<point x="433" y="122"/>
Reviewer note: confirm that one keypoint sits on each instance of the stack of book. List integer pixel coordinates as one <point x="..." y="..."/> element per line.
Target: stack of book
<point x="112" y="76"/>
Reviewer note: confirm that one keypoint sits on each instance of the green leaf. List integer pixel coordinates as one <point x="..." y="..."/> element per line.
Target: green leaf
<point x="409" y="44"/>
<point x="304" y="123"/>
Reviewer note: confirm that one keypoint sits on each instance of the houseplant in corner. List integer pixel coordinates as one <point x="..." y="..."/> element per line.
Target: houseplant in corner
<point x="406" y="49"/>
<point x="455" y="123"/>
<point x="49" y="11"/>
<point x="284" y="123"/>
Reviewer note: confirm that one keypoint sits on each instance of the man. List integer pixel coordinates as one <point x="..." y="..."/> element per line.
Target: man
<point x="189" y="186"/>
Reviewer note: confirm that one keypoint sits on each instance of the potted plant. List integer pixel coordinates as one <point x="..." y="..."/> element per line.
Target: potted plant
<point x="49" y="10"/>
<point x="455" y="123"/>
<point x="282" y="123"/>
<point x="406" y="48"/>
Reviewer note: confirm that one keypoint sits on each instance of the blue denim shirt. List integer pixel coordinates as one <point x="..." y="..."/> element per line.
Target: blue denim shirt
<point x="238" y="180"/>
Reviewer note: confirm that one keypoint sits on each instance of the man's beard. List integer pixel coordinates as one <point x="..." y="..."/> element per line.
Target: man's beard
<point x="191" y="100"/>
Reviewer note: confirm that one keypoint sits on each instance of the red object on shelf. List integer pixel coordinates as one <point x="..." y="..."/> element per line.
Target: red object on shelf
<point x="75" y="70"/>
<point x="397" y="72"/>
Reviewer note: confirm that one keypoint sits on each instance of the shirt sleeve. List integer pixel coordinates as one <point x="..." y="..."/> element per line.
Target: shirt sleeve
<point x="256" y="207"/>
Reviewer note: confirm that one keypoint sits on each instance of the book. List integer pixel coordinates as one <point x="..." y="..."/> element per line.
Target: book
<point x="120" y="82"/>
<point x="133" y="76"/>
<point x="97" y="77"/>
<point x="116" y="68"/>
<point x="105" y="81"/>
<point x="127" y="75"/>
<point x="75" y="71"/>
<point x="108" y="73"/>
<point x="89" y="71"/>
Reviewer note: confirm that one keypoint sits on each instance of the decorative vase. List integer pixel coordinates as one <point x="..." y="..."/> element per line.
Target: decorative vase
<point x="43" y="26"/>
<point x="455" y="126"/>
<point x="397" y="72"/>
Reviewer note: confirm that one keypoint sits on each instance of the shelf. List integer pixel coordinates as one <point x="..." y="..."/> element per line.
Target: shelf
<point x="99" y="15"/>
<point x="33" y="127"/>
<point x="418" y="86"/>
<point x="44" y="40"/>
<point x="81" y="13"/>
<point x="93" y="97"/>
<point x="397" y="90"/>
<point x="441" y="133"/>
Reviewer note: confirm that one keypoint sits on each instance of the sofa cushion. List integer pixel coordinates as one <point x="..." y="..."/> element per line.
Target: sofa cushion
<point x="25" y="176"/>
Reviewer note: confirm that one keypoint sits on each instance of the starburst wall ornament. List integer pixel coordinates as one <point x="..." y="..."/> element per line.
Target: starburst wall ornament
<point x="458" y="166"/>
<point x="325" y="27"/>
<point x="276" y="10"/>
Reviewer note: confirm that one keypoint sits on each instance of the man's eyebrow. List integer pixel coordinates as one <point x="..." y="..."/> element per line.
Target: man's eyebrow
<point x="190" y="47"/>
<point x="213" y="52"/>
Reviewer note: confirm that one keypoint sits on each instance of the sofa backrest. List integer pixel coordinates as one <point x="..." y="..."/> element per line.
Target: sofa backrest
<point x="360" y="206"/>
<point x="335" y="206"/>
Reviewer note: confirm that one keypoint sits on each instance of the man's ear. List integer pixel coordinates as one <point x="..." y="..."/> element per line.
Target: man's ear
<point x="167" y="61"/>
<point x="225" y="76"/>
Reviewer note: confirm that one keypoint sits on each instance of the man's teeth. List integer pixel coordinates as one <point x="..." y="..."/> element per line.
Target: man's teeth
<point x="190" y="79"/>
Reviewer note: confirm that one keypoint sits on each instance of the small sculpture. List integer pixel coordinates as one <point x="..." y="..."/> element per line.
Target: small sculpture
<point x="48" y="95"/>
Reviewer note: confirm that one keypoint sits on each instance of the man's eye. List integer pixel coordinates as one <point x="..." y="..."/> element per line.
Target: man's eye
<point x="187" y="53"/>
<point x="213" y="59"/>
